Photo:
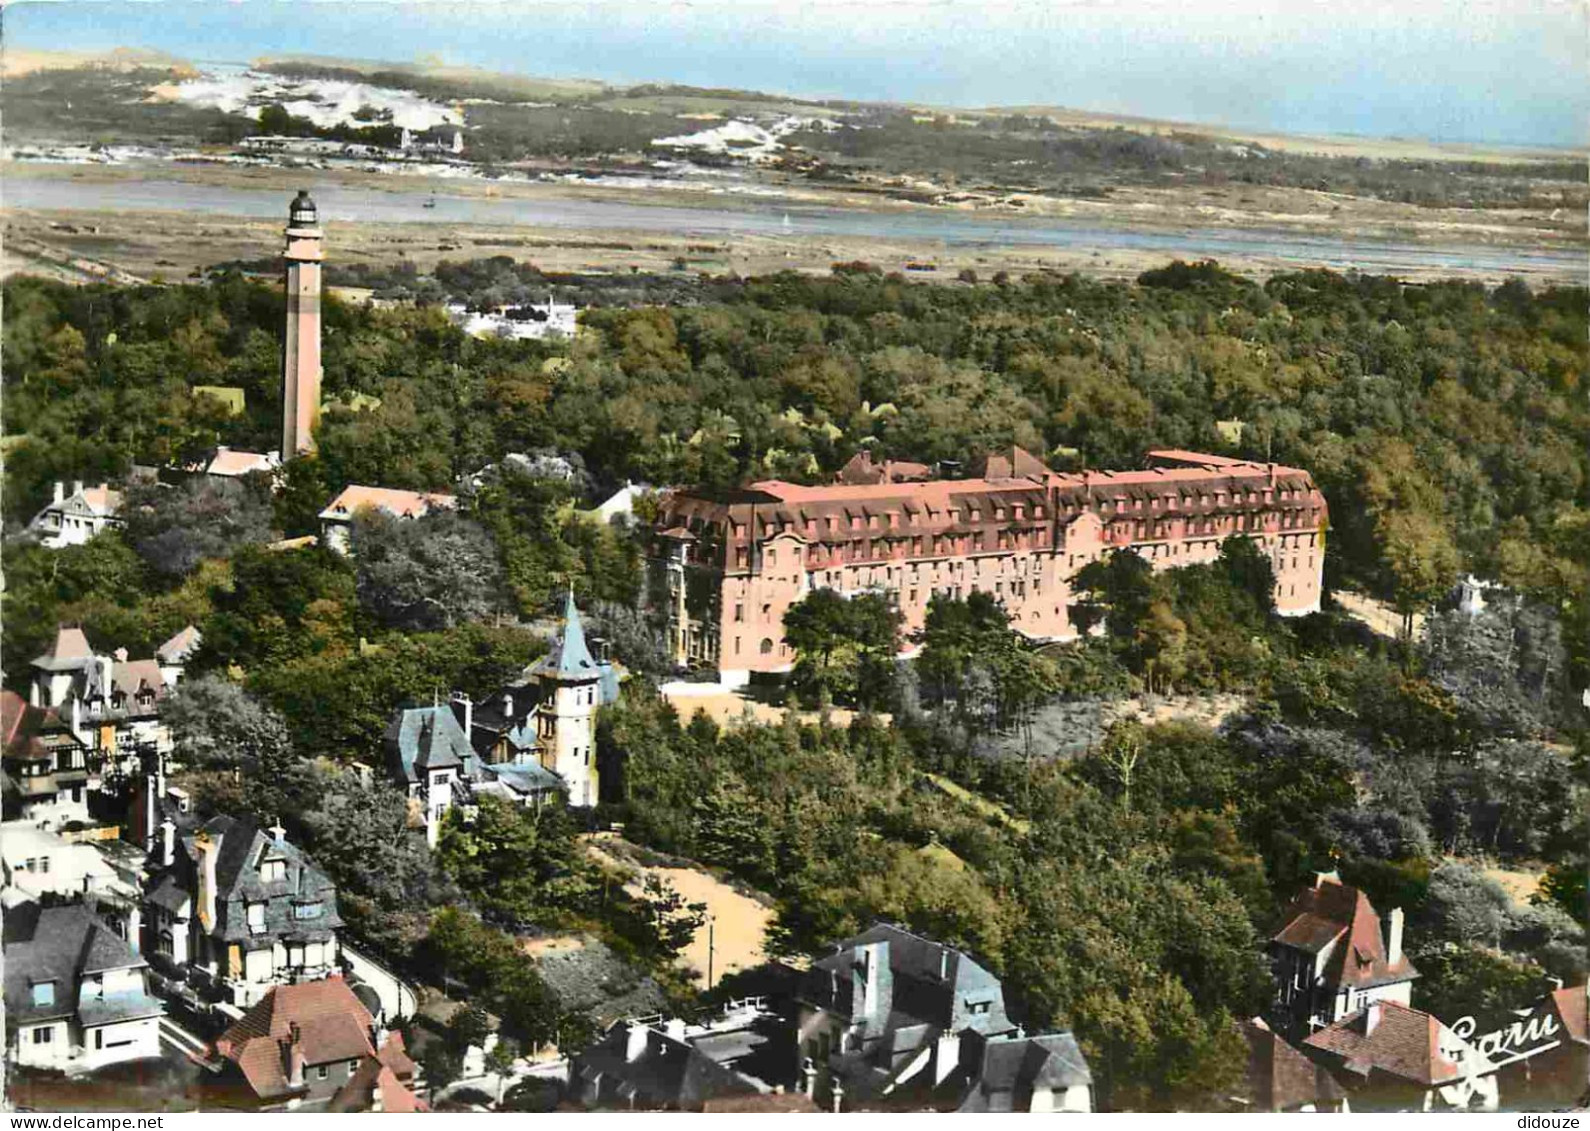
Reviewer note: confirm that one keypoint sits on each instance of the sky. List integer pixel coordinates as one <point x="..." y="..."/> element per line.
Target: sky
<point x="1507" y="72"/>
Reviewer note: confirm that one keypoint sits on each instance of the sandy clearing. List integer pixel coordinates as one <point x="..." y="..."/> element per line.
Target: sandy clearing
<point x="1379" y="616"/>
<point x="731" y="708"/>
<point x="1209" y="710"/>
<point x="1519" y="885"/>
<point x="739" y="923"/>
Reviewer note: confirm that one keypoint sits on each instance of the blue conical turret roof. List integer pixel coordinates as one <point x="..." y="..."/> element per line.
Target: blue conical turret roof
<point x="570" y="657"/>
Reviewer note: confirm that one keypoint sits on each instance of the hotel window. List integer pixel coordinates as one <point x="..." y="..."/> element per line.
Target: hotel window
<point x="43" y="993"/>
<point x="273" y="870"/>
<point x="739" y="611"/>
<point x="772" y="557"/>
<point x="322" y="1071"/>
<point x="43" y="1034"/>
<point x="256" y="917"/>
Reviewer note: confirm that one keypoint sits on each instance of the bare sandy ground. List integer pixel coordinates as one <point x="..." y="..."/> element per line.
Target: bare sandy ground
<point x="1519" y="884"/>
<point x="1379" y="616"/>
<point x="739" y="922"/>
<point x="731" y="708"/>
<point x="1206" y="710"/>
<point x="145" y="244"/>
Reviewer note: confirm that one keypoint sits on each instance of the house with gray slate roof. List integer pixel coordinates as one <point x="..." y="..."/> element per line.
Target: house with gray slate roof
<point x="76" y="997"/>
<point x="239" y="909"/>
<point x="891" y="1019"/>
<point x="532" y="742"/>
<point x="653" y="1064"/>
<point x="430" y="757"/>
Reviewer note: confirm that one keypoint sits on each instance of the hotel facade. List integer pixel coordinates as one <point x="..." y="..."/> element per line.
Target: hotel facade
<point x="728" y="568"/>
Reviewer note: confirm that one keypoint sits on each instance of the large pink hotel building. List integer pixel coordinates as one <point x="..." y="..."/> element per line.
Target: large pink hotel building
<point x="731" y="567"/>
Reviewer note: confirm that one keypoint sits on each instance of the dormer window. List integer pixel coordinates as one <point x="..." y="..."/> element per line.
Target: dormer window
<point x="43" y="994"/>
<point x="273" y="870"/>
<point x="312" y="910"/>
<point x="256" y="918"/>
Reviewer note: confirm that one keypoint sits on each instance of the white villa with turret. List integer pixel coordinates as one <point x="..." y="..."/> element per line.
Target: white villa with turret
<point x="531" y="743"/>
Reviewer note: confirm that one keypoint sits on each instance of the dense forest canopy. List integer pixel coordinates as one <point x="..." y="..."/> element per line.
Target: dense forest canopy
<point x="1447" y="424"/>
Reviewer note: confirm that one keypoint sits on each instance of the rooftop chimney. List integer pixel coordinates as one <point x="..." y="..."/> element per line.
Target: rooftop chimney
<point x="278" y="832"/>
<point x="293" y="1056"/>
<point x="464" y="711"/>
<point x="60" y="492"/>
<point x="635" y="1042"/>
<point x="209" y="848"/>
<point x="1372" y="1014"/>
<point x="1394" y="942"/>
<point x="168" y="842"/>
<point x="77" y="486"/>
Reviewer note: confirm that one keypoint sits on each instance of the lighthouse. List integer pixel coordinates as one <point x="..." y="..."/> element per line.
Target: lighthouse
<point x="301" y="348"/>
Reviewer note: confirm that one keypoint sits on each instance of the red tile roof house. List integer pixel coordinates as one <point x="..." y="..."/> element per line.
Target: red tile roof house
<point x="45" y="765"/>
<point x="731" y="566"/>
<point x="1280" y="1078"/>
<point x="112" y="702"/>
<point x="1330" y="960"/>
<point x="313" y="1047"/>
<point x="71" y="520"/>
<point x="336" y="521"/>
<point x="1544" y="1053"/>
<point x="1389" y="1057"/>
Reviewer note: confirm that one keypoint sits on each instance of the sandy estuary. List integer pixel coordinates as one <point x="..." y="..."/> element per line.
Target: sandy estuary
<point x="143" y="219"/>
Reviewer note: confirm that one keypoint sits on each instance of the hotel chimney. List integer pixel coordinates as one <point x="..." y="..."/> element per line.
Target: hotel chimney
<point x="301" y="349"/>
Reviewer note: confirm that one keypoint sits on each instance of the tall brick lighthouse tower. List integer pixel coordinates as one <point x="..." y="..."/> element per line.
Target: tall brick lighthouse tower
<point x="301" y="353"/>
